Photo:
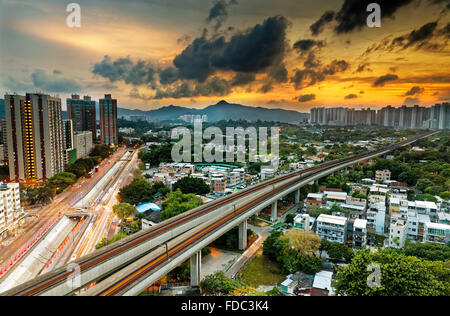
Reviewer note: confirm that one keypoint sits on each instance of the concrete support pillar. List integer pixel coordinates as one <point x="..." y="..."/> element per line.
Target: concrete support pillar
<point x="274" y="211"/>
<point x="243" y="235"/>
<point x="297" y="196"/>
<point x="196" y="268"/>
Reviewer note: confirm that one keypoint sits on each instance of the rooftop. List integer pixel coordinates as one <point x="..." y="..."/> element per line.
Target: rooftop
<point x="339" y="220"/>
<point x="322" y="280"/>
<point x="360" y="223"/>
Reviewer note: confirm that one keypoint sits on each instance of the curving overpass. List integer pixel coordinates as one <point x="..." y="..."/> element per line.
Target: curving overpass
<point x="131" y="265"/>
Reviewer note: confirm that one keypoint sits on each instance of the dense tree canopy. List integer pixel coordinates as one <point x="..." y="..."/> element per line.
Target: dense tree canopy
<point x="218" y="284"/>
<point x="401" y="275"/>
<point x="337" y="251"/>
<point x="177" y="203"/>
<point x="428" y="251"/>
<point x="192" y="185"/>
<point x="123" y="210"/>
<point x="156" y="155"/>
<point x="141" y="191"/>
<point x="294" y="251"/>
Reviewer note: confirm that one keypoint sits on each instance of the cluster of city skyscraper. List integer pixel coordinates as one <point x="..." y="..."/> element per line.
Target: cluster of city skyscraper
<point x="435" y="117"/>
<point x="38" y="143"/>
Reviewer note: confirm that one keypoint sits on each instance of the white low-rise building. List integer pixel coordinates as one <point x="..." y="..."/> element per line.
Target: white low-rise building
<point x="332" y="197"/>
<point x="436" y="232"/>
<point x="10" y="208"/>
<point x="359" y="233"/>
<point x="397" y="234"/>
<point x="376" y="217"/>
<point x="377" y="193"/>
<point x="303" y="222"/>
<point x="267" y="173"/>
<point x="333" y="228"/>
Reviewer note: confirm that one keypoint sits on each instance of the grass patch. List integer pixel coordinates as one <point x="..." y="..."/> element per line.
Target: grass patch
<point x="261" y="271"/>
<point x="258" y="223"/>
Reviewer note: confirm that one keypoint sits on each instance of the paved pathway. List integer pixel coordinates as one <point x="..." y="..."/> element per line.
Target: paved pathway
<point x="263" y="233"/>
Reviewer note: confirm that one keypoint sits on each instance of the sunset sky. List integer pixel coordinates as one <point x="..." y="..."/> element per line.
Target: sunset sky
<point x="293" y="54"/>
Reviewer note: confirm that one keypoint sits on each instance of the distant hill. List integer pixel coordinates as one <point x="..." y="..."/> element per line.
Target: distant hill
<point x="217" y="112"/>
<point x="221" y="111"/>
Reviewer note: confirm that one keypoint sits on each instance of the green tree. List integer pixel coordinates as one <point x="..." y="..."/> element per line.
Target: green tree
<point x="272" y="246"/>
<point x="423" y="183"/>
<point x="177" y="203"/>
<point x="218" y="284"/>
<point x="123" y="210"/>
<point x="400" y="276"/>
<point x="428" y="251"/>
<point x="192" y="185"/>
<point x="310" y="264"/>
<point x="445" y="195"/>
<point x="338" y="252"/>
<point x="426" y="197"/>
<point x="409" y="177"/>
<point x="141" y="191"/>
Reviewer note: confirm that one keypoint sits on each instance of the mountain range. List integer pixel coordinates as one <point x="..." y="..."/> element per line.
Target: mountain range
<point x="221" y="111"/>
<point x="217" y="112"/>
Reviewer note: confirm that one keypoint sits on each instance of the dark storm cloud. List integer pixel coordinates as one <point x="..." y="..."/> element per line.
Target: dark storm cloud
<point x="353" y="13"/>
<point x="168" y="75"/>
<point x="310" y="76"/>
<point x="306" y="45"/>
<point x="213" y="87"/>
<point x="306" y="98"/>
<point x="445" y="31"/>
<point x="414" y="90"/>
<point x="363" y="67"/>
<point x="446" y="2"/>
<point x="317" y="27"/>
<point x="411" y="101"/>
<point x="267" y="87"/>
<point x="260" y="49"/>
<point x="278" y="72"/>
<point x="418" y="37"/>
<point x="219" y="12"/>
<point x="136" y="73"/>
<point x="350" y="96"/>
<point x="426" y="37"/>
<point x="252" y="51"/>
<point x="54" y="83"/>
<point x="242" y="79"/>
<point x="380" y="82"/>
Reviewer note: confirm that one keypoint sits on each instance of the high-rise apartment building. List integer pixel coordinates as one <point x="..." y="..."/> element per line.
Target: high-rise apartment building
<point x="416" y="117"/>
<point x="35" y="136"/>
<point x="83" y="115"/>
<point x="70" y="154"/>
<point x="440" y="116"/>
<point x="108" y="120"/>
<point x="83" y="144"/>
